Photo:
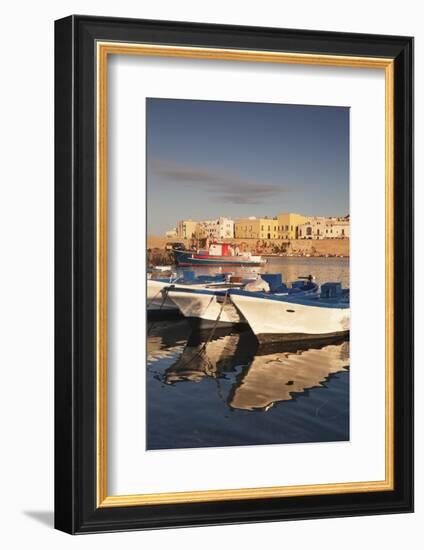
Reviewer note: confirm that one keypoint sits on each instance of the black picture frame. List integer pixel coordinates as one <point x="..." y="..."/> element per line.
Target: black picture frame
<point x="76" y="509"/>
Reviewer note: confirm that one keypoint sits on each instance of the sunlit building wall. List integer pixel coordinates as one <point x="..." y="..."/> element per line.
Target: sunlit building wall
<point x="288" y="225"/>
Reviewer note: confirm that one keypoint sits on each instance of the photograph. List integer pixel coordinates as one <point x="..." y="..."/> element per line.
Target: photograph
<point x="248" y="306"/>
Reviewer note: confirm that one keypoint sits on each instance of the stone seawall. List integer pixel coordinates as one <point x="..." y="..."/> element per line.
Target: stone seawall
<point x="302" y="247"/>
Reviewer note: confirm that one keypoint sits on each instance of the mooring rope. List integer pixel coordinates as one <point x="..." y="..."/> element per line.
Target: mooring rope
<point x="171" y="282"/>
<point x="154" y="298"/>
<point x="216" y="321"/>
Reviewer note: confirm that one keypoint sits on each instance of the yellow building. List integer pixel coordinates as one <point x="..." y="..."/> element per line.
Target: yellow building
<point x="246" y="228"/>
<point x="187" y="229"/>
<point x="288" y="225"/>
<point x="256" y="228"/>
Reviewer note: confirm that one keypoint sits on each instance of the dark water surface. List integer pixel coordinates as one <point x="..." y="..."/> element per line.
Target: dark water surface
<point x="230" y="391"/>
<point x="223" y="389"/>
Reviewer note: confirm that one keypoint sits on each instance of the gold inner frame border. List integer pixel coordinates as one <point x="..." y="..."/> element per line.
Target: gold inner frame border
<point x="103" y="50"/>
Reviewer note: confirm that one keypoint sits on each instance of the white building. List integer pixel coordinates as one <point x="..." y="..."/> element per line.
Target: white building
<point x="171" y="233"/>
<point x="319" y="227"/>
<point x="340" y="229"/>
<point x="221" y="228"/>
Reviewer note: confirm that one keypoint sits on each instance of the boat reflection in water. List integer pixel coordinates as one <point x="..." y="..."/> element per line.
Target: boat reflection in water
<point x="266" y="374"/>
<point x="278" y="376"/>
<point x="165" y="339"/>
<point x="212" y="357"/>
<point x="225" y="389"/>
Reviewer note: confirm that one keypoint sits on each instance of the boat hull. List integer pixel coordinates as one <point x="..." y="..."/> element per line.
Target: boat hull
<point x="188" y="259"/>
<point x="206" y="309"/>
<point x="202" y="263"/>
<point x="155" y="299"/>
<point x="272" y="320"/>
<point x="270" y="338"/>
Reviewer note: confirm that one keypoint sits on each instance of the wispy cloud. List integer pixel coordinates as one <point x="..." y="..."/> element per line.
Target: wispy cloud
<point x="224" y="187"/>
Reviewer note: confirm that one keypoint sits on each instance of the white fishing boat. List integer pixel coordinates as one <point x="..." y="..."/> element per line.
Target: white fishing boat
<point x="155" y="300"/>
<point x="158" y="299"/>
<point x="205" y="308"/>
<point x="209" y="307"/>
<point x="273" y="317"/>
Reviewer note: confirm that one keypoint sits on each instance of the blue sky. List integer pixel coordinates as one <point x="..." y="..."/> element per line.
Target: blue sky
<point x="211" y="158"/>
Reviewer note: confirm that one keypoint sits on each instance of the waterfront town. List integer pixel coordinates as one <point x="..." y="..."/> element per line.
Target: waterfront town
<point x="284" y="226"/>
<point x="286" y="234"/>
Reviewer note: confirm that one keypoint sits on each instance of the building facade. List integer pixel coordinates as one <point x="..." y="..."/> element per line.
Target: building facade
<point x="221" y="228"/>
<point x="285" y="226"/>
<point x="288" y="225"/>
<point x="256" y="228"/>
<point x="171" y="233"/>
<point x="246" y="228"/>
<point x="340" y="229"/>
<point x="319" y="227"/>
<point x="186" y="229"/>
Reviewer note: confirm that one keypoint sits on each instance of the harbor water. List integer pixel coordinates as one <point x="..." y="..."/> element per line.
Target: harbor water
<point x="224" y="389"/>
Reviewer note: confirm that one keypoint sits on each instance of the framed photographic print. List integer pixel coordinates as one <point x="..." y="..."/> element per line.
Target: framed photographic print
<point x="233" y="274"/>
